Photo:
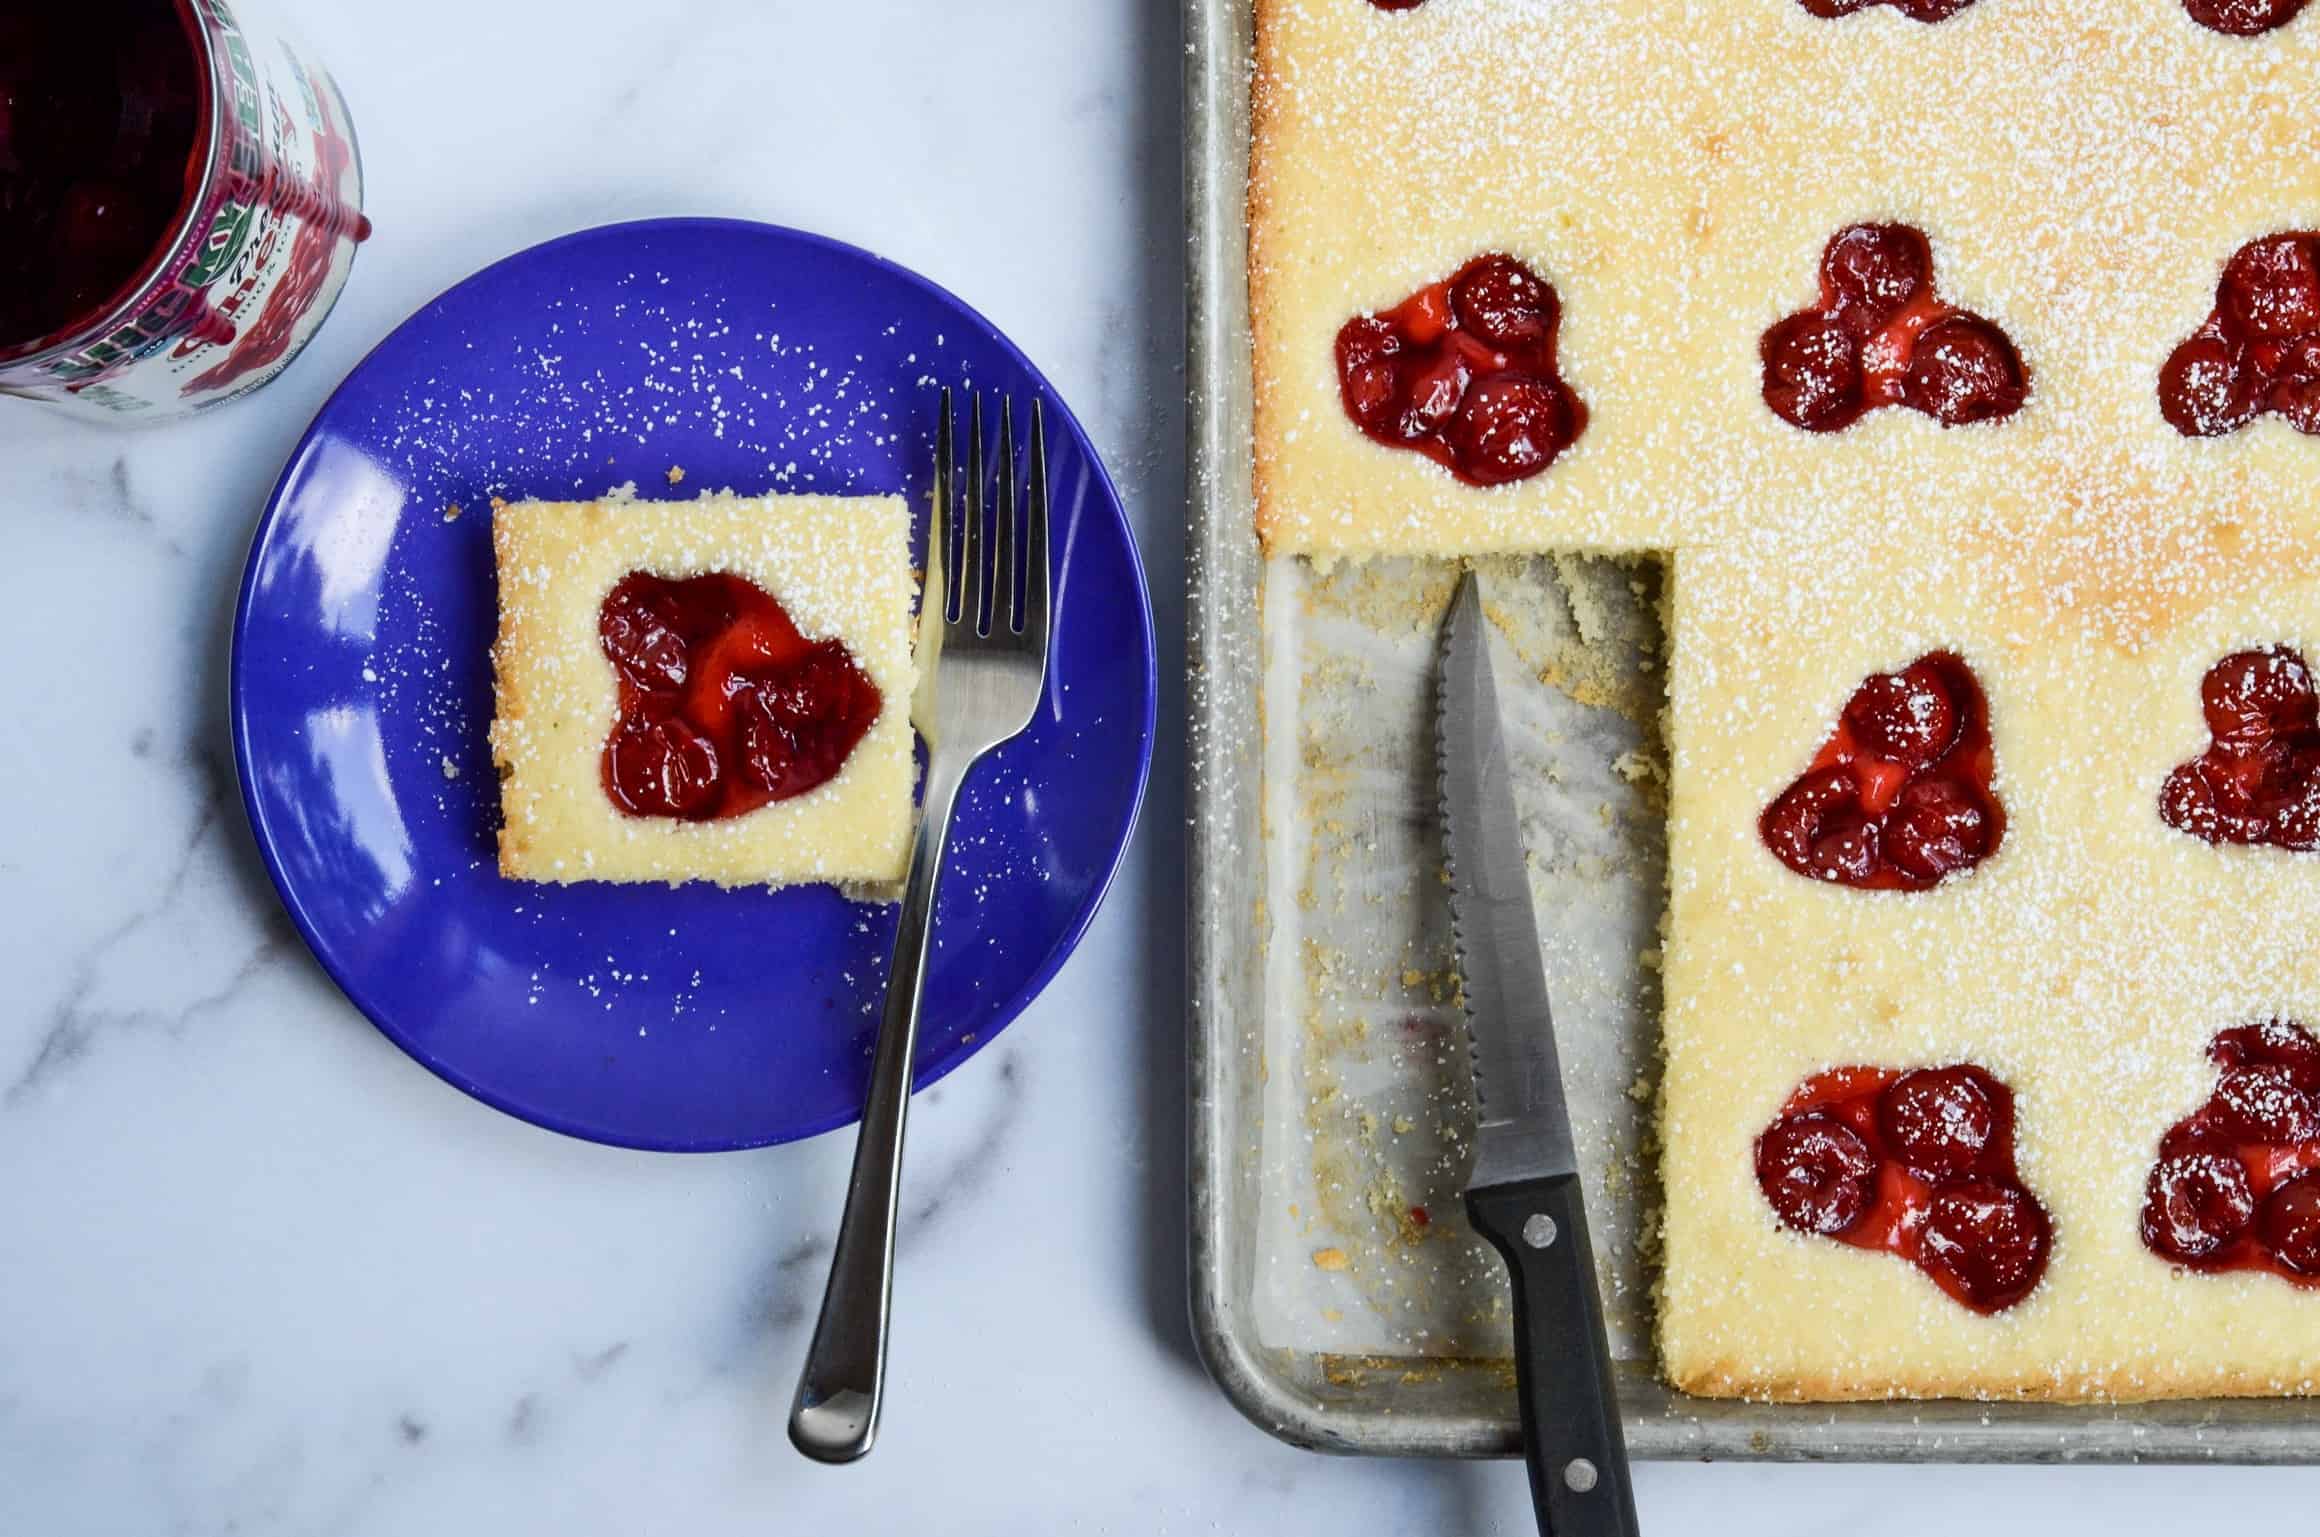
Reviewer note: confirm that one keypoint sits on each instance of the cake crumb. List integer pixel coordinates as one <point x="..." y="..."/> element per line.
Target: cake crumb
<point x="1332" y="1258"/>
<point x="451" y="512"/>
<point x="676" y="474"/>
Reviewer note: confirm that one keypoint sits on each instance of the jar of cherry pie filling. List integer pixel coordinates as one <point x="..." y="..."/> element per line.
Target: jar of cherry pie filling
<point x="180" y="199"/>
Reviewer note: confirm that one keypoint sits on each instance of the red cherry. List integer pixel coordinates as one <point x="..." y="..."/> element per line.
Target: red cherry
<point x="2298" y="401"/>
<point x="1368" y="381"/>
<point x="1432" y="396"/>
<point x="798" y="728"/>
<point x="2205" y="390"/>
<point x="1817" y="1173"/>
<point x="2188" y="805"/>
<point x="2271" y="287"/>
<point x="1510" y="427"/>
<point x="1872" y="271"/>
<point x="2296" y="818"/>
<point x="2295" y="392"/>
<point x="1370" y="391"/>
<point x="1366" y="339"/>
<point x="1907" y="716"/>
<point x="2196" y="1203"/>
<point x="2243" y="18"/>
<point x="1985" y="1242"/>
<point x="637" y="627"/>
<point x="2250" y="698"/>
<point x="1965" y="370"/>
<point x="1942" y="1121"/>
<point x="2280" y="1043"/>
<point x="1847" y="850"/>
<point x="1812" y="373"/>
<point x="2247" y="778"/>
<point x="1504" y="303"/>
<point x="660" y="768"/>
<point x="2289" y="1224"/>
<point x="2261" y="1103"/>
<point x="1821" y="808"/>
<point x="1938" y="827"/>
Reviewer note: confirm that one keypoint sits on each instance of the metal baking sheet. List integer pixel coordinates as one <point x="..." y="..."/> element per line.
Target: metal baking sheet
<point x="1337" y="1295"/>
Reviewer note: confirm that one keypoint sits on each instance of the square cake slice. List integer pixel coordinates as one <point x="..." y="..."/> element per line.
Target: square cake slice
<point x="716" y="689"/>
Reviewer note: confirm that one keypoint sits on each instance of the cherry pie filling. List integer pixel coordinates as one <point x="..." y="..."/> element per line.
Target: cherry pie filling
<point x="1918" y="1164"/>
<point x="1882" y="336"/>
<point x="2259" y="779"/>
<point x="1899" y="798"/>
<point x="2243" y="18"/>
<point x="724" y="705"/>
<point x="2237" y="1182"/>
<point x="1463" y="371"/>
<point x="2259" y="348"/>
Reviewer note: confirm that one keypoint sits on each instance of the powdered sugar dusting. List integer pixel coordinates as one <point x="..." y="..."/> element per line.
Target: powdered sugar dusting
<point x="2082" y="172"/>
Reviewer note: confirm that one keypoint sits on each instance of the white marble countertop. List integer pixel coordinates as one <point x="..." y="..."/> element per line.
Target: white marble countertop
<point x="261" y="1274"/>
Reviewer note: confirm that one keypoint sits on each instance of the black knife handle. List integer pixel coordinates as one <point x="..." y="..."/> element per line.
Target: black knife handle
<point x="1570" y="1412"/>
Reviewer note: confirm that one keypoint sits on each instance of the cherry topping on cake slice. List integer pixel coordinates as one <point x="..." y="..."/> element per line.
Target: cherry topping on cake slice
<point x="1882" y="335"/>
<point x="2234" y="1186"/>
<point x="2243" y="18"/>
<point x="1964" y="370"/>
<point x="1918" y="1164"/>
<point x="1464" y="372"/>
<point x="2259" y="348"/>
<point x="2289" y="1225"/>
<point x="1899" y="798"/>
<point x="1943" y="1121"/>
<point x="2275" y="1043"/>
<point x="724" y="705"/>
<point x="661" y="768"/>
<point x="2259" y="779"/>
<point x="2196" y="1202"/>
<point x="1985" y="1242"/>
<point x="1817" y="1172"/>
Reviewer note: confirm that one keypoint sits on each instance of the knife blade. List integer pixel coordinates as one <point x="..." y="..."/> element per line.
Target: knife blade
<point x="1524" y="1194"/>
<point x="1522" y="1126"/>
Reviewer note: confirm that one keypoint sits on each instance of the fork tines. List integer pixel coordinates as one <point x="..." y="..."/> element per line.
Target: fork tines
<point x="993" y="571"/>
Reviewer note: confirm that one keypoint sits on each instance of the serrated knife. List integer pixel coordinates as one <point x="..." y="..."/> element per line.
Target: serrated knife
<point x="1524" y="1192"/>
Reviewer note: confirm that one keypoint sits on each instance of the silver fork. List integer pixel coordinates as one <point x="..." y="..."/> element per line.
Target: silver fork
<point x="978" y="687"/>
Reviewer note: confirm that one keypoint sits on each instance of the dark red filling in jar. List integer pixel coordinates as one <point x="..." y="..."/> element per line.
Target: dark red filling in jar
<point x="103" y="116"/>
<point x="2259" y="348"/>
<point x="1918" y="1164"/>
<point x="1899" y="798"/>
<point x="1882" y="336"/>
<point x="1463" y="371"/>
<point x="2259" y="779"/>
<point x="2237" y="1182"/>
<point x="724" y="705"/>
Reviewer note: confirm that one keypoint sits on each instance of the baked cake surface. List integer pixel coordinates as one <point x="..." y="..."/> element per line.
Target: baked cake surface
<point x="2082" y="171"/>
<point x="840" y="566"/>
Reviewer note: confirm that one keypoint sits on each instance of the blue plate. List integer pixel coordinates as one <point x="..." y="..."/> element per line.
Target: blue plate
<point x="693" y="1018"/>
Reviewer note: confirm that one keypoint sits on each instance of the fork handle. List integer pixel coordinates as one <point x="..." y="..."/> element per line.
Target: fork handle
<point x="835" y="1414"/>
